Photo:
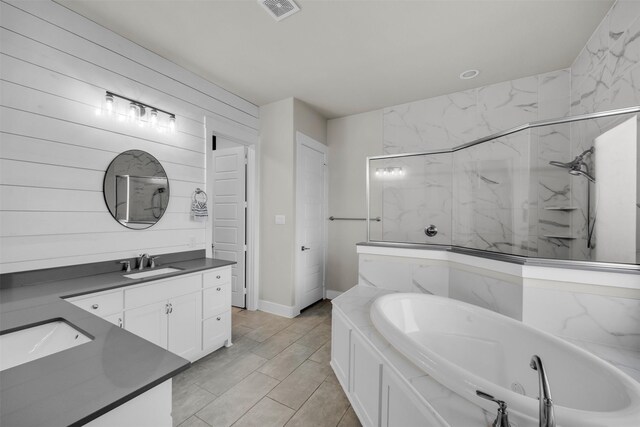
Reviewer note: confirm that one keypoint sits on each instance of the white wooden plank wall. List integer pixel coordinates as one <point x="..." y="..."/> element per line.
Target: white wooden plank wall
<point x="55" y="67"/>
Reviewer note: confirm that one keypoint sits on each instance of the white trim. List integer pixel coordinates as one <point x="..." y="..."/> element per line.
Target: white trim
<point x="331" y="294"/>
<point x="302" y="139"/>
<point x="278" y="309"/>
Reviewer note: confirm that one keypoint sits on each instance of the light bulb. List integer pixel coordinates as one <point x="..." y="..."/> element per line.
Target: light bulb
<point x="172" y="123"/>
<point x="153" y="118"/>
<point x="108" y="103"/>
<point x="133" y="111"/>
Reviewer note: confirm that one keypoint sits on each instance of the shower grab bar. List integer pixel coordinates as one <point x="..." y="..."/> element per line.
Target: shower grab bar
<point x="333" y="218"/>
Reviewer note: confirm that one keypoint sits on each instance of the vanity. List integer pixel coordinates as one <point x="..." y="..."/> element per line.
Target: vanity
<point x="141" y="332"/>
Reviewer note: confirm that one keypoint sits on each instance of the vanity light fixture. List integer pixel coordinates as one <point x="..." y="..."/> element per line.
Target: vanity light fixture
<point x="138" y="112"/>
<point x="390" y="171"/>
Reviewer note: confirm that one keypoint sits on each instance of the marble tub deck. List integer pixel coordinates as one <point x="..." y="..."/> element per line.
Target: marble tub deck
<point x="355" y="304"/>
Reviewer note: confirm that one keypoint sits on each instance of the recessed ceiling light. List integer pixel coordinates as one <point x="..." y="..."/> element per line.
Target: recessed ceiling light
<point x="469" y="74"/>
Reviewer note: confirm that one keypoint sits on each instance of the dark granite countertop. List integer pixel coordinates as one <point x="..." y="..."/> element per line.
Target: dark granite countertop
<point x="79" y="384"/>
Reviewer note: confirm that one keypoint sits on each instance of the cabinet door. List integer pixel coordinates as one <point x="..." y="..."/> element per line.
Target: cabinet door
<point x="185" y="322"/>
<point x="148" y="322"/>
<point x="400" y="408"/>
<point x="366" y="381"/>
<point x="216" y="331"/>
<point x="340" y="347"/>
<point x="117" y="319"/>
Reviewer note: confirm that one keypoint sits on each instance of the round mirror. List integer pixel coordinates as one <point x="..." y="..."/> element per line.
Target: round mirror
<point x="136" y="189"/>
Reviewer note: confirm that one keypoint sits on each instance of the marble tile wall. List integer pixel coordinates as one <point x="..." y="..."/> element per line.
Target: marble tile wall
<point x="495" y="199"/>
<point x="501" y="295"/>
<point x="605" y="75"/>
<point x="602" y="319"/>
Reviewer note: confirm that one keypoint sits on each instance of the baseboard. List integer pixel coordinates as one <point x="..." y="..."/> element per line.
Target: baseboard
<point x="331" y="294"/>
<point x="278" y="309"/>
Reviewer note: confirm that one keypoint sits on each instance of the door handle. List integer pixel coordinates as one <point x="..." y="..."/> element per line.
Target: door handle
<point x="304" y="248"/>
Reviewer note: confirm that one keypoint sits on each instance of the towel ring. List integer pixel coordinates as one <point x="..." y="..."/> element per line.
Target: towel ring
<point x="200" y="196"/>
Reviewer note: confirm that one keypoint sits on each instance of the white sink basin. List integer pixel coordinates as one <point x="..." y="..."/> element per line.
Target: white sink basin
<point x="151" y="273"/>
<point x="468" y="348"/>
<point x="39" y="341"/>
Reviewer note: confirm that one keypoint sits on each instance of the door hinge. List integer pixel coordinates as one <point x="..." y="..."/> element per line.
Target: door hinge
<point x="246" y="205"/>
<point x="246" y="161"/>
<point x="244" y="247"/>
<point x="244" y="291"/>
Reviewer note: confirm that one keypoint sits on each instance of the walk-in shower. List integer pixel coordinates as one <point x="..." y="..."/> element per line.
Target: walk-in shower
<point x="510" y="193"/>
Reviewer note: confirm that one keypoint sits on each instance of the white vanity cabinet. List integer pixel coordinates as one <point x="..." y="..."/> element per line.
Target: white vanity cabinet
<point x="109" y="305"/>
<point x="167" y="313"/>
<point x="189" y="315"/>
<point x="378" y="396"/>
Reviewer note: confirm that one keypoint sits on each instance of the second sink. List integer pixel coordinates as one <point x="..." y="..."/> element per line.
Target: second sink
<point x="151" y="273"/>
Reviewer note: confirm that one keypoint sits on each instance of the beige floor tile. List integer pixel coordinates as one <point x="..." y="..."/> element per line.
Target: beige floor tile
<point x="350" y="419"/>
<point x="297" y="387"/>
<point x="268" y="329"/>
<point x="317" y="337"/>
<point x="332" y="377"/>
<point x="232" y="405"/>
<point x="274" y="345"/>
<point x="194" y="422"/>
<point x="266" y="413"/>
<point x="225" y="355"/>
<point x="324" y="408"/>
<point x="302" y="325"/>
<point x="238" y="331"/>
<point x="323" y="354"/>
<point x="218" y="381"/>
<point x="286" y="362"/>
<point x="187" y="400"/>
<point x="253" y="319"/>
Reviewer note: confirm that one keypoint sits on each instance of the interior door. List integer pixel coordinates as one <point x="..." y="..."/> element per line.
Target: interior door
<point x="229" y="215"/>
<point x="310" y="222"/>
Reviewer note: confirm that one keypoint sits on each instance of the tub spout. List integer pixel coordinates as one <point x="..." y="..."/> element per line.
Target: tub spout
<point x="546" y="416"/>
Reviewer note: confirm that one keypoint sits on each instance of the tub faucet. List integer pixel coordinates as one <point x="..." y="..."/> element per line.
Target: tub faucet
<point x="547" y="417"/>
<point x="141" y="259"/>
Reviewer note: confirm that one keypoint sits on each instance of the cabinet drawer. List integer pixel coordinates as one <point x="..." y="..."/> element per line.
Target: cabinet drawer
<point x="161" y="291"/>
<point x="216" y="330"/>
<point x="101" y="304"/>
<point x="216" y="300"/>
<point x="216" y="277"/>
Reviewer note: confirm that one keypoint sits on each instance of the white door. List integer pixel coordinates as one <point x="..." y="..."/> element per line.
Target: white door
<point x="310" y="194"/>
<point x="185" y="321"/>
<point x="229" y="216"/>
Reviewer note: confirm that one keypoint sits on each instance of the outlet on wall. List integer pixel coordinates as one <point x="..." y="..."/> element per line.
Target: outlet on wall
<point x="280" y="220"/>
<point x="192" y="242"/>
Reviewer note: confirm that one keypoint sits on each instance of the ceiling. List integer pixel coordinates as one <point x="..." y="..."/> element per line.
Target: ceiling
<point x="345" y="57"/>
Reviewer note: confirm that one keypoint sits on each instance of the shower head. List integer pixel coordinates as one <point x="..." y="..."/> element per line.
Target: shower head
<point x="578" y="172"/>
<point x="576" y="165"/>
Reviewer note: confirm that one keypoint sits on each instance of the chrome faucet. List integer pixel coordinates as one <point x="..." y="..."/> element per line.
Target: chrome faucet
<point x="502" y="418"/>
<point x="141" y="259"/>
<point x="547" y="417"/>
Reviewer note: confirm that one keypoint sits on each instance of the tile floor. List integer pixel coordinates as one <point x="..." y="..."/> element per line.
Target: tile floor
<point x="276" y="373"/>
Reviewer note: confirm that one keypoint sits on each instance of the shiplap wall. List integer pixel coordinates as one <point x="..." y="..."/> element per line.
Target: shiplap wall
<point x="55" y="67"/>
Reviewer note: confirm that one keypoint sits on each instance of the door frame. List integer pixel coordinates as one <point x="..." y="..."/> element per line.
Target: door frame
<point x="213" y="126"/>
<point x="302" y="139"/>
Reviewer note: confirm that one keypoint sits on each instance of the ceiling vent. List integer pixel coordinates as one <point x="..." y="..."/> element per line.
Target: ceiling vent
<point x="279" y="9"/>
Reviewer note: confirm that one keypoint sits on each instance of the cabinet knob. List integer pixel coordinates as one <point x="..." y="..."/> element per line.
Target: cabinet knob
<point x="94" y="306"/>
<point x="218" y="318"/>
<point x="218" y="289"/>
<point x="120" y="322"/>
<point x="217" y="277"/>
